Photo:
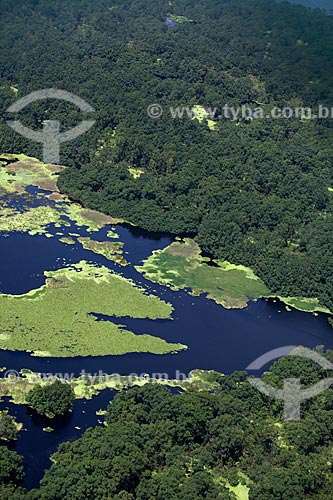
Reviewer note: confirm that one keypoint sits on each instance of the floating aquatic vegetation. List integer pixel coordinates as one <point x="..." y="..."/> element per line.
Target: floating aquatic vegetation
<point x="87" y="386"/>
<point x="181" y="266"/>
<point x="56" y="319"/>
<point x="109" y="249"/>
<point x="34" y="221"/>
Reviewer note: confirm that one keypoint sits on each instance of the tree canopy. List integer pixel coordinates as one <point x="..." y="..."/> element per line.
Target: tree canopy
<point x="51" y="399"/>
<point x="200" y="445"/>
<point x="253" y="192"/>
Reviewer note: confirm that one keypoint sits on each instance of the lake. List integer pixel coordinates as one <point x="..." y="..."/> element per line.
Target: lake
<point x="219" y="339"/>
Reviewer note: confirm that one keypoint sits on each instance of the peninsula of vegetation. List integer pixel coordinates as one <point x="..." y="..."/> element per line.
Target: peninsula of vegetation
<point x="181" y="266"/>
<point x="19" y="388"/>
<point x="111" y="250"/>
<point x="253" y="192"/>
<point x="56" y="319"/>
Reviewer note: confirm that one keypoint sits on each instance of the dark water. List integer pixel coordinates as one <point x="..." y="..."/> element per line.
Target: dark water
<point x="170" y="23"/>
<point x="36" y="445"/>
<point x="217" y="338"/>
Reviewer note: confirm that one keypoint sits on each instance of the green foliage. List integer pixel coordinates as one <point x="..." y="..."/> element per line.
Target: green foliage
<point x="12" y="492"/>
<point x="56" y="319"/>
<point x="11" y="469"/>
<point x="8" y="427"/>
<point x="229" y="444"/>
<point x="252" y="192"/>
<point x="181" y="265"/>
<point x="52" y="399"/>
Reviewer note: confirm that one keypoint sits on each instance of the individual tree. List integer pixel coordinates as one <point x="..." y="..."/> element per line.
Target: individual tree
<point x="51" y="399"/>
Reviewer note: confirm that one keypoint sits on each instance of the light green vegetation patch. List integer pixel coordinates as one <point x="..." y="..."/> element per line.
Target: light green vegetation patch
<point x="330" y="189"/>
<point x="109" y="249"/>
<point x="135" y="172"/>
<point x="17" y="176"/>
<point x="34" y="221"/>
<point x="305" y="304"/>
<point x="55" y="319"/>
<point x="7" y="181"/>
<point x="13" y="88"/>
<point x="101" y="413"/>
<point x="107" y="142"/>
<point x="279" y="427"/>
<point x="201" y="114"/>
<point x="241" y="490"/>
<point x="67" y="241"/>
<point x="112" y="234"/>
<point x="27" y="171"/>
<point x="181" y="266"/>
<point x="180" y="19"/>
<point x="86" y="387"/>
<point x="227" y="266"/>
<point x="93" y="220"/>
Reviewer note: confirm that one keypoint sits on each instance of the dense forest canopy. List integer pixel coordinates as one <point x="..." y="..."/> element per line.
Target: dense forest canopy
<point x="195" y="446"/>
<point x="254" y="192"/>
<point x="251" y="191"/>
<point x="315" y="4"/>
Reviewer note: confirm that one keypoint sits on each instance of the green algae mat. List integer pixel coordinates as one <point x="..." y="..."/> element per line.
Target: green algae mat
<point x="87" y="386"/>
<point x="60" y="318"/>
<point x="181" y="266"/>
<point x="56" y="320"/>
